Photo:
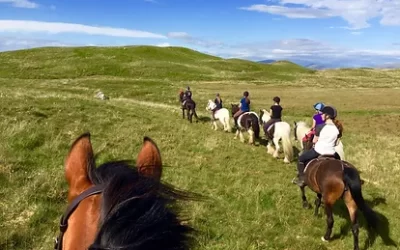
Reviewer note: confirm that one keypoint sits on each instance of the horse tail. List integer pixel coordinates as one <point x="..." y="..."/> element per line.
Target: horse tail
<point x="287" y="146"/>
<point x="353" y="181"/>
<point x="255" y="126"/>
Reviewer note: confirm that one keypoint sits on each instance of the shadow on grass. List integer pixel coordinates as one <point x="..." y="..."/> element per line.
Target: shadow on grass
<point x="383" y="228"/>
<point x="204" y="119"/>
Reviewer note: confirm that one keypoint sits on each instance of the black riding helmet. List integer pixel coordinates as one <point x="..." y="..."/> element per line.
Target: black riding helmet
<point x="329" y="110"/>
<point x="277" y="99"/>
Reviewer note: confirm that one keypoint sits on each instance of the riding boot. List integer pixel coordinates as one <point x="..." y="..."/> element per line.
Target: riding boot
<point x="300" y="174"/>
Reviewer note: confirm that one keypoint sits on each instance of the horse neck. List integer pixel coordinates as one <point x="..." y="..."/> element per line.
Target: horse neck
<point x="302" y="130"/>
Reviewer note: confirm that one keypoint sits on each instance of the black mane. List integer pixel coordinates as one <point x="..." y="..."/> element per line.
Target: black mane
<point x="137" y="212"/>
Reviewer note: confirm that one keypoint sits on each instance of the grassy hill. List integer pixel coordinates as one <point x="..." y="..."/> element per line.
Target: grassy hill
<point x="47" y="100"/>
<point x="171" y="63"/>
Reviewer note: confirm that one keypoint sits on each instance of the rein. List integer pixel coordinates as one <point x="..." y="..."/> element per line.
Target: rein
<point x="71" y="208"/>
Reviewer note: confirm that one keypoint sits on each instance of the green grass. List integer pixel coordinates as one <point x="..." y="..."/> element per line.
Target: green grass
<point x="47" y="100"/>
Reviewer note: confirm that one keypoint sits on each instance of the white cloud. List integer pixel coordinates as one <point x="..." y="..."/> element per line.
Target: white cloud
<point x="15" y="43"/>
<point x="356" y="13"/>
<point x="163" y="45"/>
<point x="21" y="3"/>
<point x="187" y="38"/>
<point x="54" y="28"/>
<point x="307" y="51"/>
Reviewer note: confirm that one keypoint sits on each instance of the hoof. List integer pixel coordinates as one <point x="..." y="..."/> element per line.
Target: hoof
<point x="306" y="205"/>
<point x="323" y="239"/>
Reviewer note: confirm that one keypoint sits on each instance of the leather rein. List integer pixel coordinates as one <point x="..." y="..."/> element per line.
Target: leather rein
<point x="71" y="208"/>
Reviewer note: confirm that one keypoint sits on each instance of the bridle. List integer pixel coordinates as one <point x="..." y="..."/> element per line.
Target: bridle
<point x="71" y="208"/>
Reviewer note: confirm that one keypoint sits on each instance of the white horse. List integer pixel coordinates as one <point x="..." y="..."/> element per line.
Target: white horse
<point x="281" y="132"/>
<point x="222" y="115"/>
<point x="301" y="129"/>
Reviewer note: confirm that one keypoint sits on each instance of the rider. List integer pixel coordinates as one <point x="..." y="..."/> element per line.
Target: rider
<point x="218" y="103"/>
<point x="188" y="93"/>
<point x="244" y="106"/>
<point x="325" y="141"/>
<point x="317" y="120"/>
<point x="275" y="113"/>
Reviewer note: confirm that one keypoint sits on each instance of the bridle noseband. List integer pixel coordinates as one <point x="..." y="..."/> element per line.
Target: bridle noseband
<point x="71" y="208"/>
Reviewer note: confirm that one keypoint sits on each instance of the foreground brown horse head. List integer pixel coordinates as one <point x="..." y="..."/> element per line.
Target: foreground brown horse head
<point x="333" y="179"/>
<point x="119" y="206"/>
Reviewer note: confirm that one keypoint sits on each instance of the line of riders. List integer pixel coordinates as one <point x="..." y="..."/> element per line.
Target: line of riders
<point x="324" y="133"/>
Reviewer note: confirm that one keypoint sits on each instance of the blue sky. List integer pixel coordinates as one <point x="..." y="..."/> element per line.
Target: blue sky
<point x="359" y="31"/>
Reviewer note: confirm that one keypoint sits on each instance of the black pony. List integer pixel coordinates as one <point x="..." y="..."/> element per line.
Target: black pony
<point x="190" y="106"/>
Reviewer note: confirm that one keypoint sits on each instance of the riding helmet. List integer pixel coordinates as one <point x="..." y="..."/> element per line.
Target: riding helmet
<point x="246" y="93"/>
<point x="277" y="99"/>
<point x="329" y="110"/>
<point x="319" y="106"/>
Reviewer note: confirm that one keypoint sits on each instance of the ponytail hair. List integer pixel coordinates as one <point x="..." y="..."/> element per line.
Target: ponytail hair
<point x="339" y="126"/>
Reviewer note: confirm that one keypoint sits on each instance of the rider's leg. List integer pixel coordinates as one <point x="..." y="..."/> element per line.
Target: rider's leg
<point x="303" y="160"/>
<point x="236" y="115"/>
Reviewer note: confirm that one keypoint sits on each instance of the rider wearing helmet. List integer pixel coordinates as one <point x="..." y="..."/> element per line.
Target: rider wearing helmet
<point x="317" y="121"/>
<point x="188" y="93"/>
<point x="317" y="118"/>
<point x="325" y="141"/>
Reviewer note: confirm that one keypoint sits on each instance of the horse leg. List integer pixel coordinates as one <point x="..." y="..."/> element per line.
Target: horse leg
<point x="352" y="207"/>
<point x="270" y="149"/>
<point x="236" y="134"/>
<point x="195" y="115"/>
<point x="183" y="113"/>
<point x="241" y="136"/>
<point x="190" y="114"/>
<point x="215" y="125"/>
<point x="329" y="219"/>
<point x="251" y="136"/>
<point x="277" y="148"/>
<point x="304" y="198"/>
<point x="317" y="204"/>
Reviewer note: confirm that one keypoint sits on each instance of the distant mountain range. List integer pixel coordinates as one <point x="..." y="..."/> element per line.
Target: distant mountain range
<point x="319" y="64"/>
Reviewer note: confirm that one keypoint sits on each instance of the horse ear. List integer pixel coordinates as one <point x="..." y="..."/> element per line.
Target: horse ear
<point x="149" y="159"/>
<point x="77" y="164"/>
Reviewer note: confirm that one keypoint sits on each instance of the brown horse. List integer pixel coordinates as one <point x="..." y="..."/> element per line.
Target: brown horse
<point x="117" y="206"/>
<point x="190" y="106"/>
<point x="333" y="179"/>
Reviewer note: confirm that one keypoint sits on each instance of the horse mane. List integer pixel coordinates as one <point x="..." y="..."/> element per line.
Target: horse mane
<point x="302" y="123"/>
<point x="137" y="212"/>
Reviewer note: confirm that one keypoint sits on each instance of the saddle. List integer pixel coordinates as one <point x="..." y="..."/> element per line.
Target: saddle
<point x="319" y="159"/>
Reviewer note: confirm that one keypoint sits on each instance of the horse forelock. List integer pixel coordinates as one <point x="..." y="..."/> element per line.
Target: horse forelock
<point x="129" y="196"/>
